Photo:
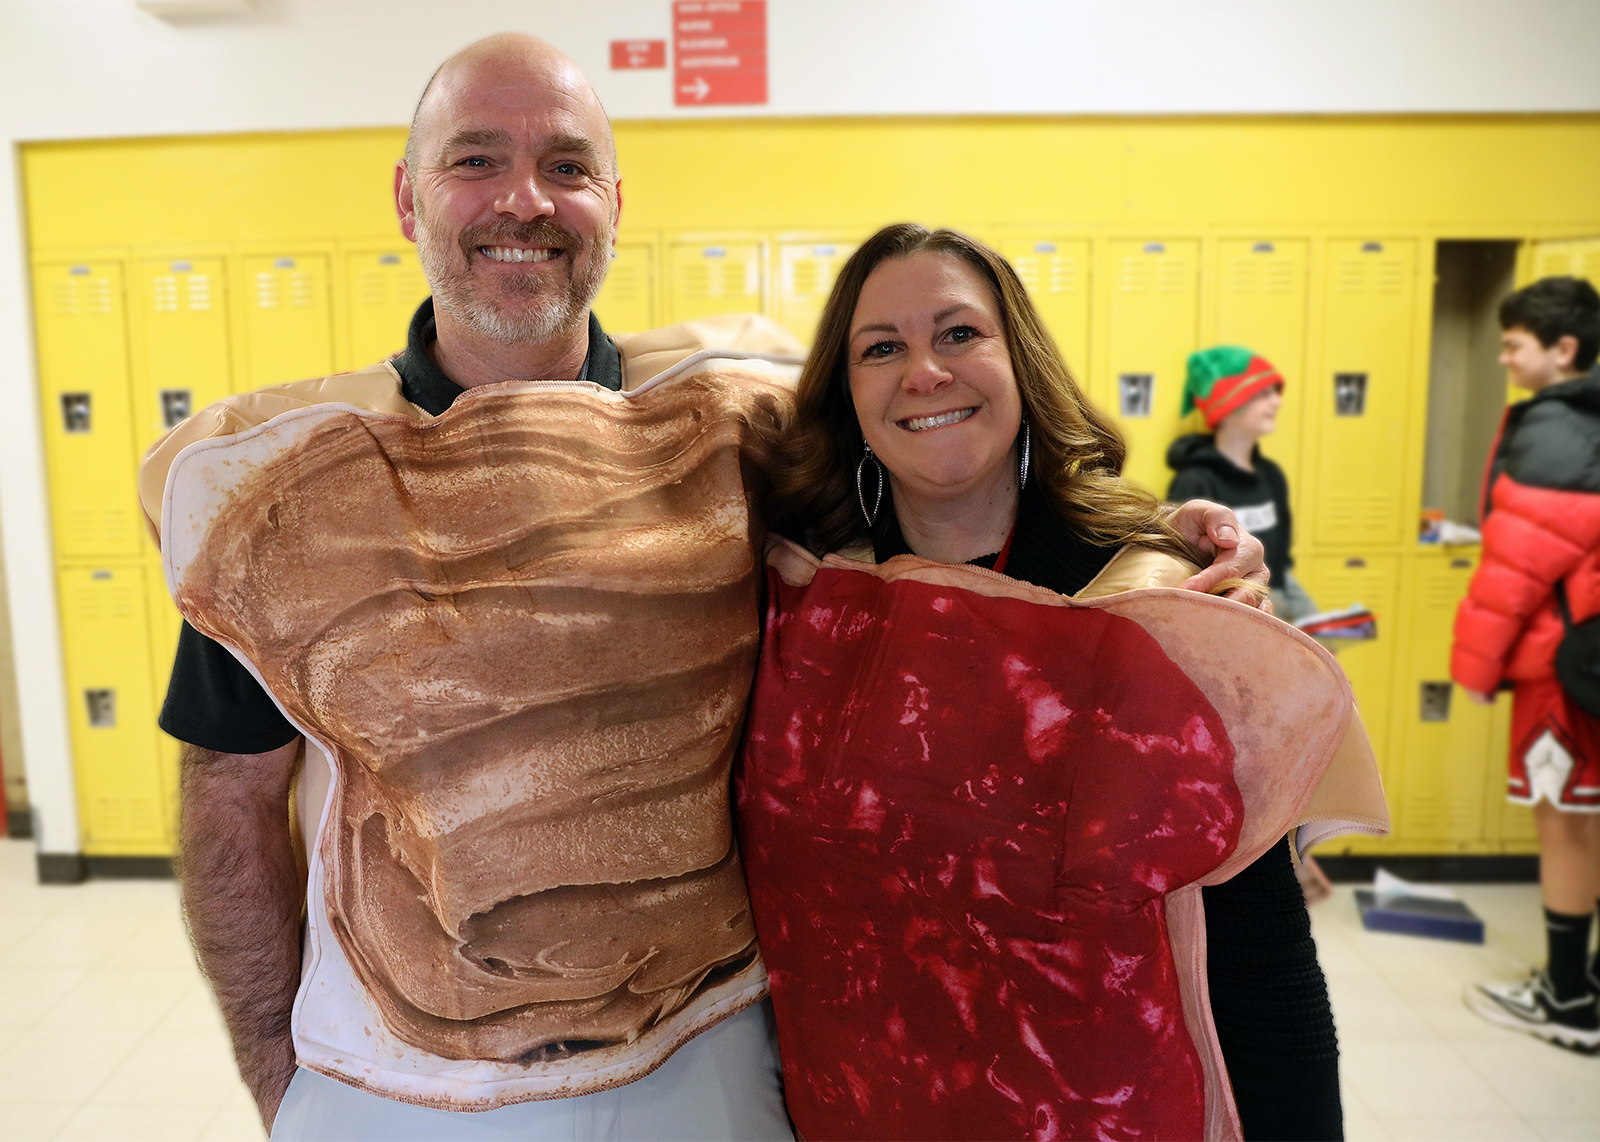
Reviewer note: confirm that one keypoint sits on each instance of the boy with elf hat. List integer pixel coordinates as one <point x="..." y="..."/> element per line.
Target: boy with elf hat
<point x="1238" y="393"/>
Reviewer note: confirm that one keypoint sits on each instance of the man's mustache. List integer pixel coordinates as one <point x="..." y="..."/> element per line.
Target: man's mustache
<point x="540" y="232"/>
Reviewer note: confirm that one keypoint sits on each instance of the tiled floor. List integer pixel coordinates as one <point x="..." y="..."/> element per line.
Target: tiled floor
<point x="108" y="1032"/>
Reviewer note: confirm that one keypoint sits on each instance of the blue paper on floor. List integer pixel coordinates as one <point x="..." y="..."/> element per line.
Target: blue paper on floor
<point x="1395" y="905"/>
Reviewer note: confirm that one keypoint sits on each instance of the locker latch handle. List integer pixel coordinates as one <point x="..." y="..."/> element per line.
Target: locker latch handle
<point x="1136" y="394"/>
<point x="1350" y="394"/>
<point x="75" y="412"/>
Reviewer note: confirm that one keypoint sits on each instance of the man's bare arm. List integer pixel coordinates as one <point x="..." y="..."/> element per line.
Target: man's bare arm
<point x="242" y="901"/>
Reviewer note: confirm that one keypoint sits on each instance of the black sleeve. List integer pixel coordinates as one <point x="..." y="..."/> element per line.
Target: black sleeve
<point x="1280" y="493"/>
<point x="215" y="703"/>
<point x="1191" y="484"/>
<point x="1270" y="1004"/>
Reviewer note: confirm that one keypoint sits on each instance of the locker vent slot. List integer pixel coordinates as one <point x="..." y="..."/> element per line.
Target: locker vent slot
<point x="1436" y="701"/>
<point x="102" y="705"/>
<point x="75" y="412"/>
<point x="1350" y="394"/>
<point x="1136" y="392"/>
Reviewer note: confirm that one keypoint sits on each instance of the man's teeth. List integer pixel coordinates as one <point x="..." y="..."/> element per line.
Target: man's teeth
<point x="923" y="423"/>
<point x="517" y="254"/>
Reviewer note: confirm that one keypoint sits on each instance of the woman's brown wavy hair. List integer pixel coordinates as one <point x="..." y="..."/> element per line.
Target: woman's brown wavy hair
<point x="1076" y="450"/>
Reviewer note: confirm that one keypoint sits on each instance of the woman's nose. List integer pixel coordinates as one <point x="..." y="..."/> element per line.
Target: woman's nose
<point x="925" y="372"/>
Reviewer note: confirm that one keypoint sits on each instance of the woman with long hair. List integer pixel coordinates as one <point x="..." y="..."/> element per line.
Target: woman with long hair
<point x="966" y="797"/>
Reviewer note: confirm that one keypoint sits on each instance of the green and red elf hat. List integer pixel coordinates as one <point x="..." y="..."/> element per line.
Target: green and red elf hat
<point x="1224" y="379"/>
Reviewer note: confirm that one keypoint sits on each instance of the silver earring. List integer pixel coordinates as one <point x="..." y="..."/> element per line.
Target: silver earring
<point x="1027" y="440"/>
<point x="861" y="491"/>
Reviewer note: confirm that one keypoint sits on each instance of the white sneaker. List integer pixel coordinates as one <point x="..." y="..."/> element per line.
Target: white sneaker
<point x="1531" y="1006"/>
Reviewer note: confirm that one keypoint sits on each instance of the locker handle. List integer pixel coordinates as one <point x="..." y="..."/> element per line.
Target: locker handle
<point x="75" y="412"/>
<point x="102" y="708"/>
<point x="1137" y="393"/>
<point x="1372" y="247"/>
<point x="1460" y="564"/>
<point x="1355" y="562"/>
<point x="1435" y="701"/>
<point x="1155" y="247"/>
<point x="1262" y="248"/>
<point x="1350" y="394"/>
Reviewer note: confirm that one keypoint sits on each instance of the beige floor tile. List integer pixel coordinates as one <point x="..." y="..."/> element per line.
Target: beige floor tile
<point x="1537" y="1078"/>
<point x="231" y="1124"/>
<point x="1420" y="1079"/>
<point x="26" y="993"/>
<point x="96" y="1123"/>
<point x="196" y="1010"/>
<point x="1439" y="1129"/>
<point x="61" y="1066"/>
<point x="1363" y="1129"/>
<point x="1368" y="1006"/>
<point x="33" y="1121"/>
<point x="1567" y="1129"/>
<point x="189" y="1069"/>
<point x="119" y="999"/>
<point x="76" y="939"/>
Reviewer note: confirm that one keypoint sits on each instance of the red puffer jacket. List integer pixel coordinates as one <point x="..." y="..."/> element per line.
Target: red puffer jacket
<point x="1542" y="524"/>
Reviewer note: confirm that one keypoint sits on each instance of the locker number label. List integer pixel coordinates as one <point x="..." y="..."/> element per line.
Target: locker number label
<point x="75" y="412"/>
<point x="1136" y="393"/>
<point x="1350" y="394"/>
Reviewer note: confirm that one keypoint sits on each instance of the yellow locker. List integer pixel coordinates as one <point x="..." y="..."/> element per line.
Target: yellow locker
<point x="183" y="334"/>
<point x="288" y="319"/>
<point x="1561" y="257"/>
<point x="1261" y="304"/>
<point x="1443" y="740"/>
<point x="1343" y="580"/>
<point x="81" y="320"/>
<point x="164" y="624"/>
<point x="806" y="270"/>
<point x="1154" y="324"/>
<point x="627" y="301"/>
<point x="105" y="632"/>
<point x="385" y="288"/>
<point x="1357" y="416"/>
<point x="1057" y="272"/>
<point x="714" y="275"/>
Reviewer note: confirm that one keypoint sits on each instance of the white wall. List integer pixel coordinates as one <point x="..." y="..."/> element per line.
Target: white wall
<point x="89" y="68"/>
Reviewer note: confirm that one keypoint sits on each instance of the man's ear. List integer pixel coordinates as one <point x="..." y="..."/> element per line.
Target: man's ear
<point x="404" y="202"/>
<point x="1566" y="350"/>
<point x="616" y="214"/>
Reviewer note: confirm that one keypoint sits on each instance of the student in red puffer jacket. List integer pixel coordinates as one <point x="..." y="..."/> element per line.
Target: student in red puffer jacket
<point x="1541" y="511"/>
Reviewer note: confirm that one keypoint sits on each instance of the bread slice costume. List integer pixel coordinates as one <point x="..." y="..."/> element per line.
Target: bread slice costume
<point x="976" y="817"/>
<point x="518" y="638"/>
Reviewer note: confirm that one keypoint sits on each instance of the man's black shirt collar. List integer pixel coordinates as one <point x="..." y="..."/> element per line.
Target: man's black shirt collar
<point x="425" y="385"/>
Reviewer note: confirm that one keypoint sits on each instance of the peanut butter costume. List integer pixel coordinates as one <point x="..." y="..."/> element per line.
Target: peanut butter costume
<point x="518" y="638"/>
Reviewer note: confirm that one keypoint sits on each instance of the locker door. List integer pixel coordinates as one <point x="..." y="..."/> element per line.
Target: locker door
<point x="806" y="271"/>
<point x="1261" y="304"/>
<point x="81" y="321"/>
<point x="1154" y="325"/>
<point x="164" y="625"/>
<point x="1056" y="272"/>
<point x="288" y="319"/>
<point x="183" y="312"/>
<point x="1438" y="774"/>
<point x="1336" y="581"/>
<point x="106" y="641"/>
<point x="1560" y="257"/>
<point x="711" y="277"/>
<point x="626" y="302"/>
<point x="1358" y="407"/>
<point x="385" y="290"/>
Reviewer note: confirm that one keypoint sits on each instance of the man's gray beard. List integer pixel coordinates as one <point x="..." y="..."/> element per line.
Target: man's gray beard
<point x="454" y="295"/>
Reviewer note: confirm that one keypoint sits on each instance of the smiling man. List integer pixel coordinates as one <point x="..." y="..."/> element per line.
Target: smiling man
<point x="458" y="609"/>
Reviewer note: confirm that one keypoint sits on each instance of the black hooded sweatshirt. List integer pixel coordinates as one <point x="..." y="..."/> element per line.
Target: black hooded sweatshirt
<point x="1260" y="499"/>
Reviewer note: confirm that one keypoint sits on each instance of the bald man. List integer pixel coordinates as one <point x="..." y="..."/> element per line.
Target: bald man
<point x="645" y="1019"/>
<point x="489" y="611"/>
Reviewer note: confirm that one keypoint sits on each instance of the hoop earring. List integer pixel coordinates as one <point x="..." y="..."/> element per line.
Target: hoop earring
<point x="861" y="492"/>
<point x="1027" y="441"/>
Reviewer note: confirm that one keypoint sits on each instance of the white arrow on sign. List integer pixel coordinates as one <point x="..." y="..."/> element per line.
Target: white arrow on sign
<point x="699" y="88"/>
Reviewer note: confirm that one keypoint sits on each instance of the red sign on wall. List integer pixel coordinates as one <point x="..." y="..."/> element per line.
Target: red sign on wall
<point x="719" y="52"/>
<point x="626" y="54"/>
